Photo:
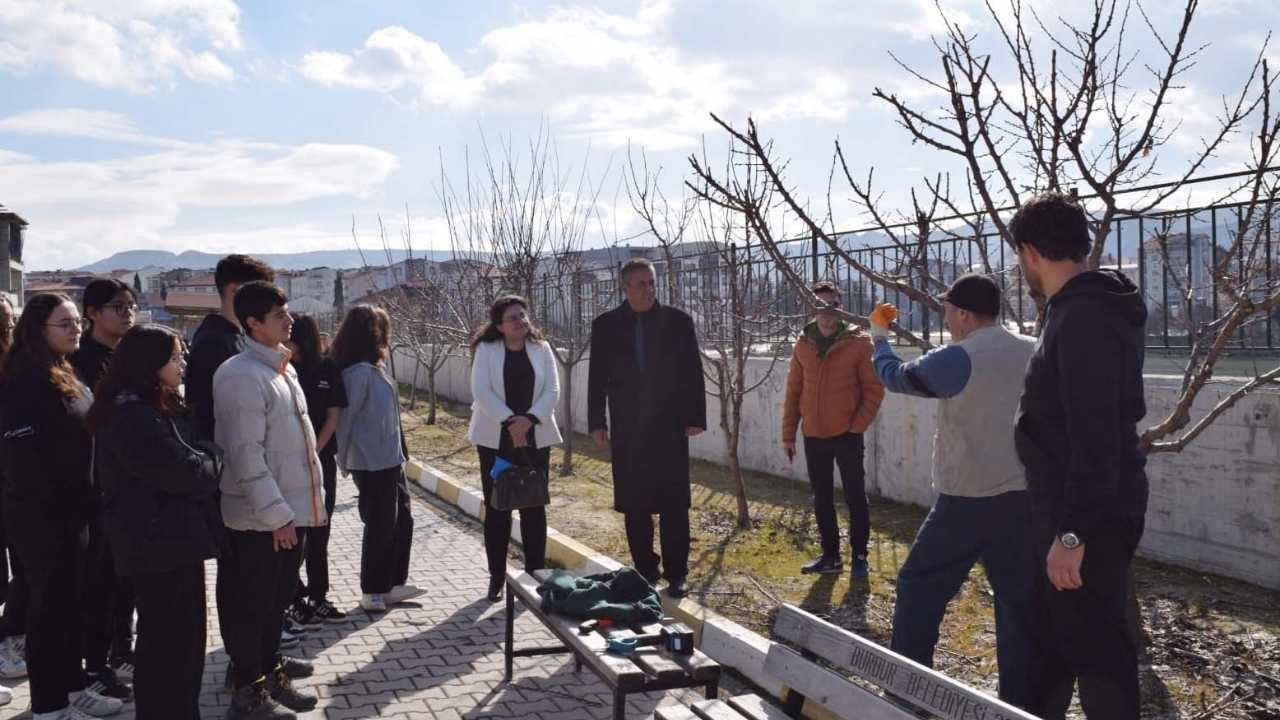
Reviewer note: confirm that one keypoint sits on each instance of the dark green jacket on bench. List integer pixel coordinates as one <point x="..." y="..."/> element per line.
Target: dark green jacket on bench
<point x="623" y="596"/>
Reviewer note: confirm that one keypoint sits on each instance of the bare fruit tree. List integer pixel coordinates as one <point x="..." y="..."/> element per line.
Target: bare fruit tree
<point x="1055" y="105"/>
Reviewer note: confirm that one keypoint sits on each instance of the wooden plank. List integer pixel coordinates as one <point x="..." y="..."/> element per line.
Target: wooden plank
<point x="948" y="698"/>
<point x="698" y="665"/>
<point x="658" y="664"/>
<point x="755" y="707"/>
<point x="614" y="669"/>
<point x="833" y="692"/>
<point x="715" y="710"/>
<point x="673" y="712"/>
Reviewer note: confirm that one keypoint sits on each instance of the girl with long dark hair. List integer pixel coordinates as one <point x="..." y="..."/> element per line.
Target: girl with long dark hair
<point x="46" y="455"/>
<point x="13" y="593"/>
<point x="322" y="384"/>
<point x="371" y="447"/>
<point x="516" y="387"/>
<point x="160" y="513"/>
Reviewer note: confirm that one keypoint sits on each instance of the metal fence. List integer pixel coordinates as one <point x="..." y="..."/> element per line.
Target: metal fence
<point x="1193" y="240"/>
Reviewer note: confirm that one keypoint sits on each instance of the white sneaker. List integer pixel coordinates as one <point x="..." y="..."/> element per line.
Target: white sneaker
<point x="71" y="713"/>
<point x="373" y="603"/>
<point x="12" y="664"/>
<point x="18" y="645"/>
<point x="287" y="639"/>
<point x="6" y="695"/>
<point x="91" y="703"/>
<point x="401" y="593"/>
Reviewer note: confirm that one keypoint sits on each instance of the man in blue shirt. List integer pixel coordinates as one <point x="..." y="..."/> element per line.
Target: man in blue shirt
<point x="982" y="510"/>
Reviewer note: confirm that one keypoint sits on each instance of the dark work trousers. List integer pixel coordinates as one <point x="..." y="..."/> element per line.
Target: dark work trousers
<point x="958" y="532"/>
<point x="821" y="456"/>
<point x="171" y="643"/>
<point x="53" y="634"/>
<point x="1083" y="635"/>
<point x="14" y="596"/>
<point x="497" y="523"/>
<point x="388" y="529"/>
<point x="317" y="557"/>
<point x="256" y="583"/>
<point x="122" y="619"/>
<point x="674" y="526"/>
<point x="98" y="584"/>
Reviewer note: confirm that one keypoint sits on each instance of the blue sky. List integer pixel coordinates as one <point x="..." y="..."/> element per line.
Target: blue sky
<point x="268" y="126"/>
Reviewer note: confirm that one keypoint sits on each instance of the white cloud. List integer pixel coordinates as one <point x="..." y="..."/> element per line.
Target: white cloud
<point x="130" y="44"/>
<point x="81" y="211"/>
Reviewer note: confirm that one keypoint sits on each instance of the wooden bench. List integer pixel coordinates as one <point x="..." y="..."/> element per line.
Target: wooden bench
<point x="800" y="671"/>
<point x="646" y="670"/>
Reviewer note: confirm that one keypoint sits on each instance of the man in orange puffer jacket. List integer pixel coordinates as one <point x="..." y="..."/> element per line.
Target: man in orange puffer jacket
<point x="833" y="391"/>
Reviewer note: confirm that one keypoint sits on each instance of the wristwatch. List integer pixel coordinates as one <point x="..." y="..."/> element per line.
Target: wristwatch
<point x="1069" y="540"/>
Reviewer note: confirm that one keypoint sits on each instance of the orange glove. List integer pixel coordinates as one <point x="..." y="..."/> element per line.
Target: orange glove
<point x="881" y="318"/>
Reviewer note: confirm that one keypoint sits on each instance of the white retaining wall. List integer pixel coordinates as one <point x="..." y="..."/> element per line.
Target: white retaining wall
<point x="1214" y="507"/>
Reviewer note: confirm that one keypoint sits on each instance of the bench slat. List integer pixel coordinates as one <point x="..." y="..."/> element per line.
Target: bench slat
<point x="653" y="662"/>
<point x="948" y="698"/>
<point x="755" y="707"/>
<point x="673" y="712"/>
<point x="715" y="710"/>
<point x="591" y="648"/>
<point x="831" y="691"/>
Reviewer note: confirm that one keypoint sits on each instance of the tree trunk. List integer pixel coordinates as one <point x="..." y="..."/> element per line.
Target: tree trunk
<point x="431" y="394"/>
<point x="413" y="389"/>
<point x="566" y="390"/>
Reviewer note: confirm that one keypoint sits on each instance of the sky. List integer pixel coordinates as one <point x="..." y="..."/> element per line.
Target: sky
<point x="279" y="126"/>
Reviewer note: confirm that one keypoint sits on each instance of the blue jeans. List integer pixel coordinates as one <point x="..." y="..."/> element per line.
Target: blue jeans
<point x="958" y="532"/>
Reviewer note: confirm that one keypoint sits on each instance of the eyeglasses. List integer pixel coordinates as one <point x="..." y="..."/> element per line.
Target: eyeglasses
<point x="69" y="325"/>
<point x="178" y="359"/>
<point x="122" y="309"/>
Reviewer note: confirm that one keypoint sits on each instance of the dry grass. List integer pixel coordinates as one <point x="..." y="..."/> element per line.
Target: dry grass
<point x="743" y="574"/>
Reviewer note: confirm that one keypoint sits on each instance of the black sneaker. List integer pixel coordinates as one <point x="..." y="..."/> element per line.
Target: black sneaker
<point x="326" y="612"/>
<point x="823" y="566"/>
<point x="296" y="668"/>
<point x="107" y="684"/>
<point x="860" y="569"/>
<point x="282" y="691"/>
<point x="253" y="702"/>
<point x="301" y="614"/>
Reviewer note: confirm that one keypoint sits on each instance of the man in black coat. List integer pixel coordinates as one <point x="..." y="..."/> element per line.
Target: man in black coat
<point x="1076" y="434"/>
<point x="646" y="367"/>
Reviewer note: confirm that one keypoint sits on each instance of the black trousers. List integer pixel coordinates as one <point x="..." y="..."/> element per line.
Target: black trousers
<point x="98" y="590"/>
<point x="316" y="588"/>
<point x="53" y="634"/>
<point x="674" y="526"/>
<point x="1083" y="635"/>
<point x="13" y="592"/>
<point x="821" y="456"/>
<point x="497" y="524"/>
<point x="169" y="663"/>
<point x="256" y="583"/>
<point x="388" y="529"/>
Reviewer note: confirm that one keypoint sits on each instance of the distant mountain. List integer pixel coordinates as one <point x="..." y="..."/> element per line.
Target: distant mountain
<point x="135" y="259"/>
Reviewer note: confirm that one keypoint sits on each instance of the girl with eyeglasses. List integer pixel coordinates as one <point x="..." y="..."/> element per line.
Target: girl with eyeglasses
<point x="45" y="454"/>
<point x="161" y="516"/>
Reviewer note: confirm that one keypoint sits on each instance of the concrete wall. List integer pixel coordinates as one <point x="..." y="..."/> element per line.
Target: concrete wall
<point x="1214" y="507"/>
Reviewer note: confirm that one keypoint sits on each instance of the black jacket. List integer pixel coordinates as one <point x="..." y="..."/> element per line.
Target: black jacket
<point x="46" y="457"/>
<point x="1076" y="427"/>
<point x="648" y="409"/>
<point x="160" y="507"/>
<point x="215" y="341"/>
<point x="91" y="361"/>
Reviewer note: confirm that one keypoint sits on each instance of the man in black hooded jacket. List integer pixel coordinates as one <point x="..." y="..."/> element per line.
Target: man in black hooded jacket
<point x="1076" y="434"/>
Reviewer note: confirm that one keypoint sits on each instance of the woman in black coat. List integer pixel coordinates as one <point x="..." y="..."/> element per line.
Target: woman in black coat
<point x="160" y="514"/>
<point x="46" y="455"/>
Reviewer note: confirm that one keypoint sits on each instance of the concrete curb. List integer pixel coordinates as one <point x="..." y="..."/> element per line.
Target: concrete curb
<point x="724" y="640"/>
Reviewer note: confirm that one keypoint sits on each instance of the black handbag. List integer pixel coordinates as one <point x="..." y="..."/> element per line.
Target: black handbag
<point x="520" y="486"/>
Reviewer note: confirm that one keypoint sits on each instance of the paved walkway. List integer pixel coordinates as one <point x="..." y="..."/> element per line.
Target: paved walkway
<point x="440" y="657"/>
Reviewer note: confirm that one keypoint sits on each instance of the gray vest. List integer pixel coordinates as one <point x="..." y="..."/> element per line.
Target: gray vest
<point x="973" y="452"/>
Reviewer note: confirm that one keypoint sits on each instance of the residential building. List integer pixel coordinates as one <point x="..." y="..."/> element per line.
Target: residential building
<point x="13" y="231"/>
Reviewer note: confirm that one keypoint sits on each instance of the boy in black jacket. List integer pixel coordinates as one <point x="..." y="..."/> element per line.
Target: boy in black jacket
<point x="1076" y="433"/>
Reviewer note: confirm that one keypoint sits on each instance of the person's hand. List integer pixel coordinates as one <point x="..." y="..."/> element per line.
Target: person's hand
<point x="694" y="431"/>
<point x="1063" y="566"/>
<point x="600" y="438"/>
<point x="881" y="318"/>
<point x="519" y="429"/>
<point x="286" y="538"/>
<point x="789" y="447"/>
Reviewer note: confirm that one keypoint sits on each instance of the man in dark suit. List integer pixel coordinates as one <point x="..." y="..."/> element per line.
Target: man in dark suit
<point x="646" y="367"/>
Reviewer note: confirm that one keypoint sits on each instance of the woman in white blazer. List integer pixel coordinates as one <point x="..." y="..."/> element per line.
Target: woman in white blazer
<point x="516" y="387"/>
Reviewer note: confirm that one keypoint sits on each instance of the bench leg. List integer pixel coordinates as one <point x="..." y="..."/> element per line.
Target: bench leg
<point x="713" y="690"/>
<point x="511" y="632"/>
<point x="619" y="705"/>
<point x="577" y="663"/>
